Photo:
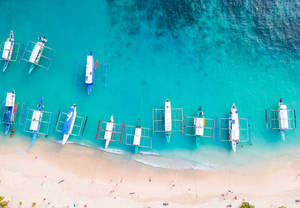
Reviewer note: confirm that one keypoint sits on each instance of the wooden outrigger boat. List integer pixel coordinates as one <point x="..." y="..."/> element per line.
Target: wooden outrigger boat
<point x="8" y="50"/>
<point x="37" y="53"/>
<point x="36" y="121"/>
<point x="10" y="111"/>
<point x="168" y="120"/>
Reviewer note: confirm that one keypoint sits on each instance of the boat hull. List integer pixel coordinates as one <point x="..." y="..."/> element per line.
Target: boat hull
<point x="34" y="137"/>
<point x="5" y="65"/>
<point x="32" y="67"/>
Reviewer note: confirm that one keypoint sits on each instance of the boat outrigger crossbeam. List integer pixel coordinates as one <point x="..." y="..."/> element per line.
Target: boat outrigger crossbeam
<point x="109" y="131"/>
<point x="167" y="120"/>
<point x="39" y="121"/>
<point x="199" y="127"/>
<point x="70" y="124"/>
<point x="281" y="119"/>
<point x="34" y="53"/>
<point x="234" y="129"/>
<point x="138" y="136"/>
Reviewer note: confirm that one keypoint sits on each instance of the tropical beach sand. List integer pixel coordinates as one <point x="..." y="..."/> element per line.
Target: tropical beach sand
<point x="53" y="176"/>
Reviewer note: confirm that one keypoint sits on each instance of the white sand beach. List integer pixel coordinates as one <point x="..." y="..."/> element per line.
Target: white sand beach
<point x="56" y="176"/>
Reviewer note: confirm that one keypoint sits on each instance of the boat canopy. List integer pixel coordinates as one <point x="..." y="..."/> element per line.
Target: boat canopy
<point x="137" y="136"/>
<point x="10" y="99"/>
<point x="283" y="117"/>
<point x="35" y="52"/>
<point x="108" y="130"/>
<point x="199" y="124"/>
<point x="6" y="51"/>
<point x="34" y="125"/>
<point x="168" y="116"/>
<point x="89" y="70"/>
<point x="235" y="126"/>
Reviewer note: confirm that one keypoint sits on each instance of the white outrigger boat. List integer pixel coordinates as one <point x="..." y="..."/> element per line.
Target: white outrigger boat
<point x="90" y="72"/>
<point x="8" y="50"/>
<point x="168" y="120"/>
<point x="69" y="123"/>
<point x="234" y="127"/>
<point x="283" y="118"/>
<point x="137" y="138"/>
<point x="36" y="121"/>
<point x="10" y="111"/>
<point x="199" y="124"/>
<point x="37" y="53"/>
<point x="109" y="131"/>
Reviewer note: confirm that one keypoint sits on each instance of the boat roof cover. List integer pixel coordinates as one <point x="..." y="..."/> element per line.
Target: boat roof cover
<point x="10" y="99"/>
<point x="168" y="116"/>
<point x="89" y="70"/>
<point x="6" y="50"/>
<point x="137" y="136"/>
<point x="199" y="126"/>
<point x="108" y="130"/>
<point x="36" y="116"/>
<point x="283" y="117"/>
<point x="235" y="127"/>
<point x="37" y="47"/>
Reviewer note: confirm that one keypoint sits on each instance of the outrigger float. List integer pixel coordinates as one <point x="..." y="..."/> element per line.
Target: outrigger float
<point x="138" y="136"/>
<point x="8" y="50"/>
<point x="282" y="119"/>
<point x="109" y="131"/>
<point x="168" y="120"/>
<point x="90" y="72"/>
<point x="70" y="124"/>
<point x="10" y="111"/>
<point x="199" y="126"/>
<point x="232" y="128"/>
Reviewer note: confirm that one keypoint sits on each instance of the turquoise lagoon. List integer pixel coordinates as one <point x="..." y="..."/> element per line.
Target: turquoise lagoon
<point x="196" y="53"/>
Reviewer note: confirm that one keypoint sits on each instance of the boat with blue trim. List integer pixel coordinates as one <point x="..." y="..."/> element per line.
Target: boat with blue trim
<point x="69" y="123"/>
<point x="90" y="72"/>
<point x="36" y="121"/>
<point x="234" y="127"/>
<point x="8" y="50"/>
<point x="10" y="111"/>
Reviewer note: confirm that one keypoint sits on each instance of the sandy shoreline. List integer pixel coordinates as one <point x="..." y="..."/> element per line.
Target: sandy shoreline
<point x="53" y="176"/>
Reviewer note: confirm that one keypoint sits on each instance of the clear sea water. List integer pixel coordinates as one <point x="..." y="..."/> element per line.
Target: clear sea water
<point x="194" y="52"/>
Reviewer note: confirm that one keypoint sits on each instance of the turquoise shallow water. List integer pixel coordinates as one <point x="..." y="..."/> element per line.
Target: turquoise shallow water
<point x="195" y="53"/>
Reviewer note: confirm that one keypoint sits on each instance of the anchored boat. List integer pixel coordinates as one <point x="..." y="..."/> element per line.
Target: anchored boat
<point x="8" y="50"/>
<point x="168" y="120"/>
<point x="137" y="138"/>
<point x="36" y="121"/>
<point x="283" y="118"/>
<point x="37" y="53"/>
<point x="10" y="110"/>
<point x="90" y="72"/>
<point x="109" y="131"/>
<point x="199" y="124"/>
<point x="69" y="124"/>
<point x="234" y="127"/>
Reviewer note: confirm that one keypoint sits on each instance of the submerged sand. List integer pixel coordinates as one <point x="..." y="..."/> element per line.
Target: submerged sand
<point x="56" y="176"/>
